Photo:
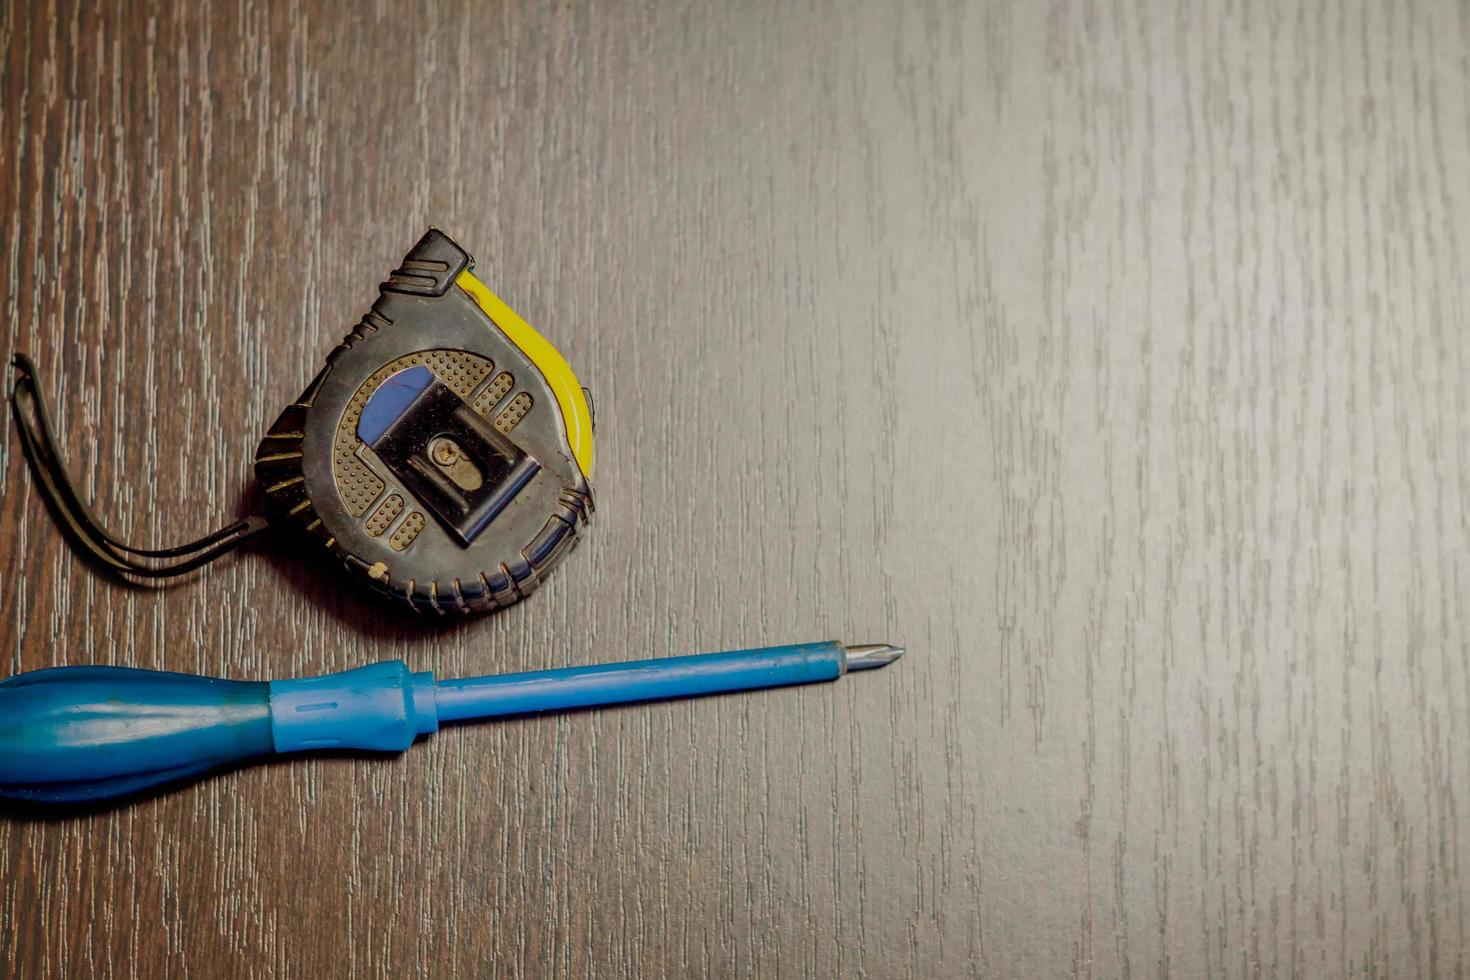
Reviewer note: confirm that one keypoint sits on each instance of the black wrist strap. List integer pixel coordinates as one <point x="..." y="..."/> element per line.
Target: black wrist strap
<point x="76" y="519"/>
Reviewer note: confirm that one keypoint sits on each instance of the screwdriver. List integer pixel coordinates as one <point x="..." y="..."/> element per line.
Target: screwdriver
<point x="83" y="734"/>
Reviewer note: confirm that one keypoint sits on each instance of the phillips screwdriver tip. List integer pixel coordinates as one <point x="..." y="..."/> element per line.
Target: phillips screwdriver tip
<point x="869" y="655"/>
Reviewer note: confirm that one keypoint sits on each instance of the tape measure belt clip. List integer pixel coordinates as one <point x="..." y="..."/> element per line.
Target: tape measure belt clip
<point x="444" y="452"/>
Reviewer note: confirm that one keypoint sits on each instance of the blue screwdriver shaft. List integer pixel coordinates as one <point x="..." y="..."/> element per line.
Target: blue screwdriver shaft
<point x="639" y="680"/>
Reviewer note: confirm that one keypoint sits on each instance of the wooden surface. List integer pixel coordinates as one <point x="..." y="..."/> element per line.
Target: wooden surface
<point x="1112" y="357"/>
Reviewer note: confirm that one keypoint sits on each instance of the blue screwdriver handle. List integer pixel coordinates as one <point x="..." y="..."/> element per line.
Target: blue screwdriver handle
<point x="79" y="734"/>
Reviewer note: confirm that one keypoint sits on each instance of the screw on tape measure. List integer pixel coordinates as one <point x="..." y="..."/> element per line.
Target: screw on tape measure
<point x="443" y="453"/>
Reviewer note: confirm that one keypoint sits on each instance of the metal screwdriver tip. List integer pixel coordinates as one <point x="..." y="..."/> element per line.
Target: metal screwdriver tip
<point x="869" y="655"/>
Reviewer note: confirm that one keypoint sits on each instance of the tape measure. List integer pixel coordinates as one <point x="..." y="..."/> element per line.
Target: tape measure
<point x="443" y="453"/>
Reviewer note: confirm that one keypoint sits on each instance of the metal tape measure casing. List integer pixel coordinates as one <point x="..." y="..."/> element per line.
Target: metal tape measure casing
<point x="444" y="452"/>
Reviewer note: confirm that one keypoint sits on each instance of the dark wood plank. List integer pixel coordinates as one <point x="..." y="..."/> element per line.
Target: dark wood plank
<point x="1111" y="357"/>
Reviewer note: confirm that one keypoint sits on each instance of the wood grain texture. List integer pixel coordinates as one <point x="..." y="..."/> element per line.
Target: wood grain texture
<point x="1113" y="357"/>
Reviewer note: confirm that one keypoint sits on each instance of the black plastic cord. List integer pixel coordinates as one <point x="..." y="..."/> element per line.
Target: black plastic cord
<point x="77" y="520"/>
